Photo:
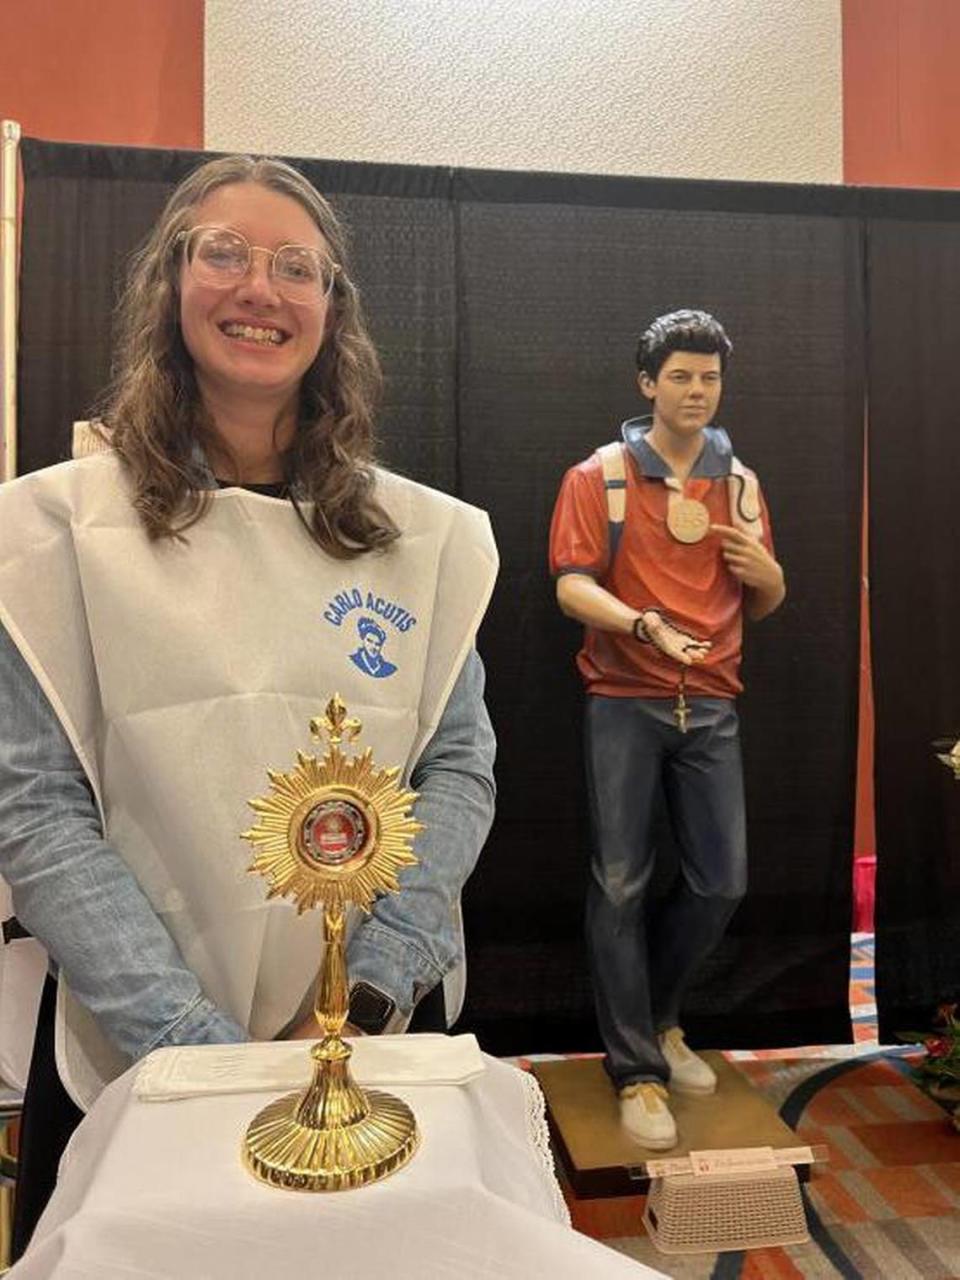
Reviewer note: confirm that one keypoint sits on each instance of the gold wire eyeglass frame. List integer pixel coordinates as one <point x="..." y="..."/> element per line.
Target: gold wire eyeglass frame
<point x="330" y="268"/>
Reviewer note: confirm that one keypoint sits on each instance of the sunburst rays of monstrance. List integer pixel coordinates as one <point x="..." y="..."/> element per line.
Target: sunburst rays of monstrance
<point x="333" y="832"/>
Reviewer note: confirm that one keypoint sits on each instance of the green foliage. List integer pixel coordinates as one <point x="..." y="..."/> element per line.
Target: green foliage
<point x="941" y="1066"/>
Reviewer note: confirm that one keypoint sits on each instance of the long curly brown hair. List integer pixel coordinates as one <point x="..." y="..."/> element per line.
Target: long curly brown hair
<point x="153" y="412"/>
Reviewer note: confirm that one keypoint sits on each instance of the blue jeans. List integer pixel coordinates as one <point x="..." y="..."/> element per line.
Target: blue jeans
<point x="641" y="968"/>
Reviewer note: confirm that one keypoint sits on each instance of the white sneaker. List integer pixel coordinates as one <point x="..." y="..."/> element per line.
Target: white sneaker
<point x="646" y="1117"/>
<point x="688" y="1073"/>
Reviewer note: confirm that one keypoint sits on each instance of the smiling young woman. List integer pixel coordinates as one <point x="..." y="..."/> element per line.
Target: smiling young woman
<point x="174" y="611"/>
<point x="250" y="341"/>
<point x="299" y="407"/>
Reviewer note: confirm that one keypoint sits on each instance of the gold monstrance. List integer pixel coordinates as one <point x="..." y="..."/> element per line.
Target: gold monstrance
<point x="332" y="832"/>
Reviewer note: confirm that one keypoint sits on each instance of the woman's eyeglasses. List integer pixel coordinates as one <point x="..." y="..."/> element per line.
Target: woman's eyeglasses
<point x="221" y="258"/>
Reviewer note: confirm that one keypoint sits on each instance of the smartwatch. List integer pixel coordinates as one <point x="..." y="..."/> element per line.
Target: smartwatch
<point x="370" y="1009"/>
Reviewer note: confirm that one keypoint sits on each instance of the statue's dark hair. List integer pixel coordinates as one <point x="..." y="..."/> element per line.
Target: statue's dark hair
<point x="681" y="331"/>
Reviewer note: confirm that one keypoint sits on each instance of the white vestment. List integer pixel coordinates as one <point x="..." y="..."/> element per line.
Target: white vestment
<point x="181" y="671"/>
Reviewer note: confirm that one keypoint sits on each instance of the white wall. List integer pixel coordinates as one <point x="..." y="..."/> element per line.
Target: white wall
<point x="743" y="89"/>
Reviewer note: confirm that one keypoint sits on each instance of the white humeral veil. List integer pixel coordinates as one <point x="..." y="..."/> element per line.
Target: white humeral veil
<point x="181" y="670"/>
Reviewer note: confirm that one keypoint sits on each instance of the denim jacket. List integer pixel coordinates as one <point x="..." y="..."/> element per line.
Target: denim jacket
<point x="76" y="894"/>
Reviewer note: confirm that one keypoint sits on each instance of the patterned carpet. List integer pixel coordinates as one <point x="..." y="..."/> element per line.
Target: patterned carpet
<point x="885" y="1206"/>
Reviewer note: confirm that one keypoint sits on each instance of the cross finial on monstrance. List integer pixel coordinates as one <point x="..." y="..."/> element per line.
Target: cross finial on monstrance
<point x="335" y="723"/>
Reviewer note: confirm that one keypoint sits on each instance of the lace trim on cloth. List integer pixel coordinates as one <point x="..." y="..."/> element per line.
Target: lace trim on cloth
<point x="539" y="1135"/>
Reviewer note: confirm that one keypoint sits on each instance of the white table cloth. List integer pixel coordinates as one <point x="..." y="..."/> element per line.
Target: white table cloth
<point x="157" y="1189"/>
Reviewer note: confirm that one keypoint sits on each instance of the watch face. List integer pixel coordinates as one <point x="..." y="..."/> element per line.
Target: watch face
<point x="370" y="1009"/>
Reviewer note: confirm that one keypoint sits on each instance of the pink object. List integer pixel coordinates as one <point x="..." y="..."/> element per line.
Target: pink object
<point x="864" y="884"/>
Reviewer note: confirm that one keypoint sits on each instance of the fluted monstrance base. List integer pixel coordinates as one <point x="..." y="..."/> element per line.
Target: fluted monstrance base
<point x="280" y="1150"/>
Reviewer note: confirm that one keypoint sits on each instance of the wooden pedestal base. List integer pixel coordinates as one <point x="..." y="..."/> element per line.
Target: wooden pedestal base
<point x="600" y="1159"/>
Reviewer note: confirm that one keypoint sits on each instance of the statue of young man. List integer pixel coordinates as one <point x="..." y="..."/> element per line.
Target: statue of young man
<point x="660" y="545"/>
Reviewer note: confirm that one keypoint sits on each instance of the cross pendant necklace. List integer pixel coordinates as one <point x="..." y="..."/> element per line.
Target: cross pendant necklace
<point x="681" y="712"/>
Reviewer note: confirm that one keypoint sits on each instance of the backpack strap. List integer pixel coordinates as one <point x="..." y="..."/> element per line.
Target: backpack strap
<point x="743" y="492"/>
<point x="614" y="466"/>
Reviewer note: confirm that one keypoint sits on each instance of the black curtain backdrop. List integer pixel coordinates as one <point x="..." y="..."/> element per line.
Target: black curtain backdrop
<point x="557" y="276"/>
<point x="915" y="571"/>
<point x="506" y="308"/>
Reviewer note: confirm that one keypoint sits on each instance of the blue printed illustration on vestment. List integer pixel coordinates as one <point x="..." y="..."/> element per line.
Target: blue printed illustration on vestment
<point x="377" y="614"/>
<point x="369" y="656"/>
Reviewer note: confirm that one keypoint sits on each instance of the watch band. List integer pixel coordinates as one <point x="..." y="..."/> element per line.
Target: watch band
<point x="370" y="1009"/>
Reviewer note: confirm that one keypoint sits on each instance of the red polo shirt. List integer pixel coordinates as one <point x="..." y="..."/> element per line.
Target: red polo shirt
<point x="690" y="584"/>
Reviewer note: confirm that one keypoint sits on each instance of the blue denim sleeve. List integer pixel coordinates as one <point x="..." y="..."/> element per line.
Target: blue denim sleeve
<point x="412" y="938"/>
<point x="75" y="893"/>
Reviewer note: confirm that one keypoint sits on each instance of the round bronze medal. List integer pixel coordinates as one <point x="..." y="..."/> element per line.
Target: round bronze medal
<point x="687" y="519"/>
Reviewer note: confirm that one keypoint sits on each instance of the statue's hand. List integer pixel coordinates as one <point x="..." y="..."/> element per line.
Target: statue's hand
<point x="748" y="559"/>
<point x="671" y="640"/>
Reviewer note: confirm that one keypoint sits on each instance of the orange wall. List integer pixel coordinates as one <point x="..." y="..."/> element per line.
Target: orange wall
<point x="111" y="71"/>
<point x="901" y="92"/>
